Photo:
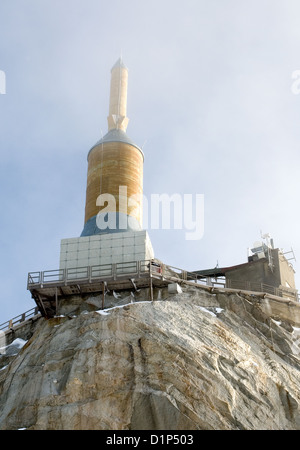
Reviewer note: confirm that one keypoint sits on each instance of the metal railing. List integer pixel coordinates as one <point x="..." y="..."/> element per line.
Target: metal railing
<point x="19" y="319"/>
<point x="262" y="287"/>
<point x="141" y="268"/>
<point x="88" y="273"/>
<point x="114" y="272"/>
<point x="136" y="269"/>
<point x="222" y="282"/>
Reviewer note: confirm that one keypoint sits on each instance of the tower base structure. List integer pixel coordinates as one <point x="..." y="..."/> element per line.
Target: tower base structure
<point x="110" y="248"/>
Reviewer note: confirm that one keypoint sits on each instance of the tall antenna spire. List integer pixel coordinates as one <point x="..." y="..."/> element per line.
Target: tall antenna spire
<point x="118" y="97"/>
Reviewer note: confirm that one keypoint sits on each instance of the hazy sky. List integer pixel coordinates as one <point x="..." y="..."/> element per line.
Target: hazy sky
<point x="210" y="99"/>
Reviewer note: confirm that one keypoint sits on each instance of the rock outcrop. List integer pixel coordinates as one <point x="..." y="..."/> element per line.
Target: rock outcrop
<point x="195" y="360"/>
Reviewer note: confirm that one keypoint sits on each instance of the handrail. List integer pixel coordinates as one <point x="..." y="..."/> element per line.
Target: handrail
<point x="138" y="268"/>
<point x="19" y="319"/>
<point x="234" y="284"/>
<point x="262" y="287"/>
<point x="87" y="273"/>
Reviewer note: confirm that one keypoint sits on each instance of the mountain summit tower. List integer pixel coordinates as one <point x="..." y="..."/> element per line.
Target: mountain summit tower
<point x="115" y="169"/>
<point x="112" y="230"/>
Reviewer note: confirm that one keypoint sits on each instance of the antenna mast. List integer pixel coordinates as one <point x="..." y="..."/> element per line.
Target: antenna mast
<point x="269" y="245"/>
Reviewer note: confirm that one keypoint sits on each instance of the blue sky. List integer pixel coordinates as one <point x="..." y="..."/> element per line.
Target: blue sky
<point x="209" y="99"/>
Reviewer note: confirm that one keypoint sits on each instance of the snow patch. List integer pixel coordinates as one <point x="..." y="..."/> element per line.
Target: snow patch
<point x="216" y="310"/>
<point x="13" y="348"/>
<point x="296" y="341"/>
<point x="105" y="312"/>
<point x="19" y="343"/>
<point x="207" y="310"/>
<point x="278" y="322"/>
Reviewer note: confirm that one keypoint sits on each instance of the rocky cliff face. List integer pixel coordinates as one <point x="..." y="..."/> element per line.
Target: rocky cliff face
<point x="196" y="360"/>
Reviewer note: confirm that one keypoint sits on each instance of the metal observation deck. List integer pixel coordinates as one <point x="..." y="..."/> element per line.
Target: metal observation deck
<point x="48" y="287"/>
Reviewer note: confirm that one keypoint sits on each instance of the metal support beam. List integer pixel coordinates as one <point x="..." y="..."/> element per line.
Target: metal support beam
<point x="103" y="294"/>
<point x="42" y="304"/>
<point x="56" y="302"/>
